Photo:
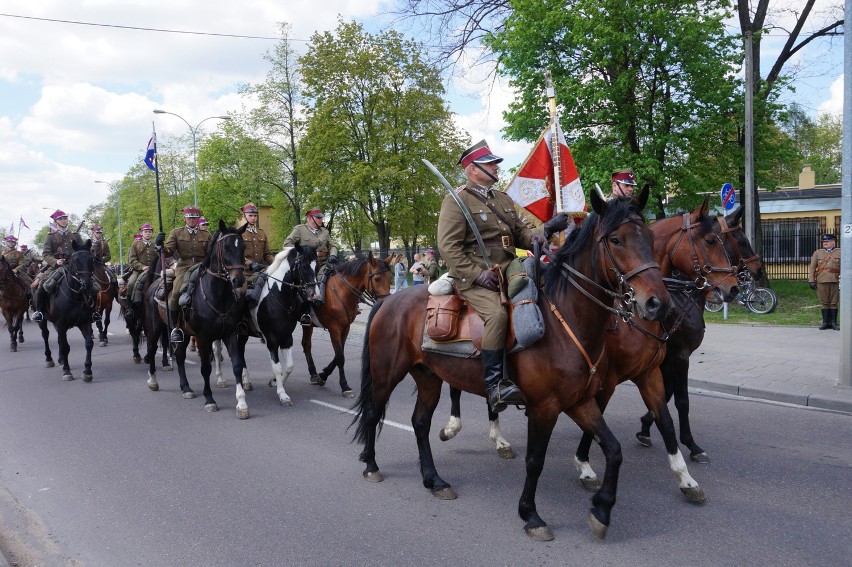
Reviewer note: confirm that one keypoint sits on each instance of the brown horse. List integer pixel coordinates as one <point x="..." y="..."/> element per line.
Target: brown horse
<point x="359" y="280"/>
<point x="107" y="292"/>
<point x="609" y="257"/>
<point x="14" y="302"/>
<point x="689" y="334"/>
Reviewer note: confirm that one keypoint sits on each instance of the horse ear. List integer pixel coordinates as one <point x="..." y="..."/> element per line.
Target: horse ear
<point x="704" y="210"/>
<point x="598" y="203"/>
<point x="642" y="199"/>
<point x="243" y="228"/>
<point x="736" y="217"/>
<point x="222" y="226"/>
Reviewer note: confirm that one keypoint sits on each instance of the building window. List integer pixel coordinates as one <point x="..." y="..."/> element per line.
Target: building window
<point x="791" y="240"/>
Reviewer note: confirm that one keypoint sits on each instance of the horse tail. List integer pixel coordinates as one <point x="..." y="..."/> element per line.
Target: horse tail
<point x="364" y="405"/>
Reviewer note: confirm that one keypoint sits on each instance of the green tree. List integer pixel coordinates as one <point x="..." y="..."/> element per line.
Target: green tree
<point x="642" y="84"/>
<point x="817" y="143"/>
<point x="376" y="110"/>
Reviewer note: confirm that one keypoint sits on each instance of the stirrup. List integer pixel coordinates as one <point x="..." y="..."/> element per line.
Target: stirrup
<point x="505" y="394"/>
<point x="305" y="320"/>
<point x="37" y="316"/>
<point x="95" y="316"/>
<point x="176" y="336"/>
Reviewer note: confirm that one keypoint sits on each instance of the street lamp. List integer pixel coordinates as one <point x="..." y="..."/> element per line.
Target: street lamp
<point x="118" y="193"/>
<point x="194" y="132"/>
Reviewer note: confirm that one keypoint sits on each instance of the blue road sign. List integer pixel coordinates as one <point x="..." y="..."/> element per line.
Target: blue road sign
<point x="729" y="196"/>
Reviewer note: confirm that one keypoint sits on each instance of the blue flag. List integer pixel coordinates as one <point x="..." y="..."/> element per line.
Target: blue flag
<point x="151" y="152"/>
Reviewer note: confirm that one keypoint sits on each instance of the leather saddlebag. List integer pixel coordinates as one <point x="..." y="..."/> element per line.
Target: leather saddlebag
<point x="442" y="316"/>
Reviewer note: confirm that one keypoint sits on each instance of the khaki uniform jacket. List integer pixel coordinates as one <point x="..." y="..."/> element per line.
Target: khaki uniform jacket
<point x="825" y="266"/>
<point x="257" y="248"/>
<point x="190" y="248"/>
<point x="141" y="256"/>
<point x="458" y="245"/>
<point x="432" y="270"/>
<point x="19" y="262"/>
<point x="101" y="250"/>
<point x="303" y="236"/>
<point x="58" y="245"/>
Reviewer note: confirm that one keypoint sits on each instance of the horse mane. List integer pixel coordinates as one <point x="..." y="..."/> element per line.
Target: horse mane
<point x="352" y="267"/>
<point x="280" y="258"/>
<point x="617" y="211"/>
<point x="212" y="244"/>
<point x="705" y="223"/>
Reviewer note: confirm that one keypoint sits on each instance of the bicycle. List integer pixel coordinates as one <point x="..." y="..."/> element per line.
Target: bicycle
<point x="759" y="300"/>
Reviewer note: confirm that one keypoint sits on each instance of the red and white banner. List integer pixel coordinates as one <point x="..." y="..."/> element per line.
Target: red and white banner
<point x="533" y="187"/>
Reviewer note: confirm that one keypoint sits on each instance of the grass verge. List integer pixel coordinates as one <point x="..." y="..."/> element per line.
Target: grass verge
<point x="797" y="305"/>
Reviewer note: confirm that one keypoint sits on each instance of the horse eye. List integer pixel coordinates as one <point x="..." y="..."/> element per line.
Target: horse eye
<point x="616" y="241"/>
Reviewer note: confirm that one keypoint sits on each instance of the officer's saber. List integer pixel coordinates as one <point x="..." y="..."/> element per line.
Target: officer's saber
<point x="464" y="211"/>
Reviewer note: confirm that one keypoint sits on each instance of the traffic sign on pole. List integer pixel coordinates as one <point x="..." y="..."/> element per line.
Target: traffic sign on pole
<point x="729" y="196"/>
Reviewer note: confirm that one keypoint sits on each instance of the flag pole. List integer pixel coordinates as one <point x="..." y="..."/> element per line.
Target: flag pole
<point x="554" y="141"/>
<point x="171" y="324"/>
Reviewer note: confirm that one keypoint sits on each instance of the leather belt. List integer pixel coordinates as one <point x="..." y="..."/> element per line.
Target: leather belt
<point x="504" y="241"/>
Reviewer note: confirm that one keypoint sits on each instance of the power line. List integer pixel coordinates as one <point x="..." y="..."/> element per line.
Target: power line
<point x="137" y="28"/>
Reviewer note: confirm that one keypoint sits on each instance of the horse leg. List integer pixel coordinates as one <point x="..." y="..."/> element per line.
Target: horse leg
<point x="45" y="335"/>
<point x="152" y="337"/>
<point x="164" y="343"/>
<point x="428" y="395"/>
<point x="217" y="363"/>
<point x="105" y="336"/>
<point x="64" y="350"/>
<point x="101" y="333"/>
<point x="454" y="425"/>
<point x="307" y="332"/>
<point x="135" y="339"/>
<point x="338" y="339"/>
<point x="540" y="423"/>
<point x="588" y="416"/>
<point x="504" y="448"/>
<point x="180" y="361"/>
<point x="680" y="390"/>
<point x="86" y="330"/>
<point x="237" y="350"/>
<point x="653" y="394"/>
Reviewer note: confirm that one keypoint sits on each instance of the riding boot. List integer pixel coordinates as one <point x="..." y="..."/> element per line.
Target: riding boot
<point x="320" y="297"/>
<point x="500" y="390"/>
<point x="253" y="293"/>
<point x="40" y="304"/>
<point x="305" y="320"/>
<point x="833" y="319"/>
<point x="826" y="323"/>
<point x="176" y="335"/>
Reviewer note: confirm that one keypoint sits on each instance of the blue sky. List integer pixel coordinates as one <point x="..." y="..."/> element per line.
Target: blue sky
<point x="77" y="100"/>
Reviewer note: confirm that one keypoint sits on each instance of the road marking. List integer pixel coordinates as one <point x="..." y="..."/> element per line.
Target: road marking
<point x="352" y="412"/>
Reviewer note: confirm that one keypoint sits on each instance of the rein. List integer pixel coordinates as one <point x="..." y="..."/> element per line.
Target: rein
<point x="221" y="273"/>
<point x="701" y="269"/>
<point x="727" y="232"/>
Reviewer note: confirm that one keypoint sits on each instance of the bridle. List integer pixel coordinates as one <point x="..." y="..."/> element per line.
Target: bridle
<point x="702" y="267"/>
<point x="75" y="275"/>
<point x="742" y="263"/>
<point x="369" y="296"/>
<point x="220" y="270"/>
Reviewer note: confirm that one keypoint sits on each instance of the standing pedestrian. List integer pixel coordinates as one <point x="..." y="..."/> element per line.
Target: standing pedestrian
<point x="824" y="277"/>
<point x="418" y="270"/>
<point x="400" y="273"/>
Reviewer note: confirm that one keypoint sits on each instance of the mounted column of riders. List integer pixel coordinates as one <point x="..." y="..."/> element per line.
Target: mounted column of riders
<point x="18" y="260"/>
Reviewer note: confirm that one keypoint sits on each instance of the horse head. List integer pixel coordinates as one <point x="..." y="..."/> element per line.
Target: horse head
<point x="738" y="245"/>
<point x="379" y="277"/>
<point x="81" y="265"/>
<point x="610" y="257"/>
<point x="226" y="255"/>
<point x="305" y="271"/>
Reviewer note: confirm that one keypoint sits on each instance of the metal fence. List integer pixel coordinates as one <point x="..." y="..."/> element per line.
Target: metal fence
<point x="788" y="244"/>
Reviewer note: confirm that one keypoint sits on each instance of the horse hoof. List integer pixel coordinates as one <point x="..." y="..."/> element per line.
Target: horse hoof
<point x="247" y="387"/>
<point x="700" y="458"/>
<point x="348" y="394"/>
<point x="168" y="367"/>
<point x="445" y="494"/>
<point x="87" y="377"/>
<point x="694" y="494"/>
<point x="222" y="384"/>
<point x="315" y="379"/>
<point x="153" y="386"/>
<point x="102" y="343"/>
<point x="541" y="533"/>
<point x="49" y="364"/>
<point x="137" y="359"/>
<point x="597" y="527"/>
<point x="241" y="413"/>
<point x="506" y="453"/>
<point x="67" y="377"/>
<point x="644" y="440"/>
<point x="285" y="401"/>
<point x="13" y="348"/>
<point x="210" y="407"/>
<point x="188" y="395"/>
<point x="271" y="383"/>
<point x="591" y="484"/>
<point x="374" y="476"/>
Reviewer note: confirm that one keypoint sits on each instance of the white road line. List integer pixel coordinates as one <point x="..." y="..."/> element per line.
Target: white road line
<point x="352" y="412"/>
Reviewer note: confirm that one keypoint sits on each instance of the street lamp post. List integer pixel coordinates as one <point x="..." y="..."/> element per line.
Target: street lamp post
<point x="194" y="132"/>
<point x="118" y="193"/>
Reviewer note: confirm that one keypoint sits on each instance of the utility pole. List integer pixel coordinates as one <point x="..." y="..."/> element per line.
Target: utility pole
<point x="845" y="236"/>
<point x="750" y="206"/>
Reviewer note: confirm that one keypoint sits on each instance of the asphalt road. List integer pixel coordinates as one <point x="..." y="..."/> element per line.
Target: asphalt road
<point x="112" y="474"/>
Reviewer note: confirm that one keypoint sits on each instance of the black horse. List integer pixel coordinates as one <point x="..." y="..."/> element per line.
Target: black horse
<point x="72" y="305"/>
<point x="290" y="282"/>
<point x="215" y="311"/>
<point x="136" y="317"/>
<point x="14" y="301"/>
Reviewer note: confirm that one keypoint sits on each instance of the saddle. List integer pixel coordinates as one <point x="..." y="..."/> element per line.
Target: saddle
<point x="454" y="327"/>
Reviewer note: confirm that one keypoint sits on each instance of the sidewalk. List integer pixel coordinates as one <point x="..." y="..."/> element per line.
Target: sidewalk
<point x="796" y="365"/>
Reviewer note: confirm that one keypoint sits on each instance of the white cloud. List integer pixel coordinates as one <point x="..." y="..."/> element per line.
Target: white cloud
<point x="834" y="105"/>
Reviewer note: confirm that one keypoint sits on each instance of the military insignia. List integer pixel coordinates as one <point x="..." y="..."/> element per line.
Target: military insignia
<point x="483" y="216"/>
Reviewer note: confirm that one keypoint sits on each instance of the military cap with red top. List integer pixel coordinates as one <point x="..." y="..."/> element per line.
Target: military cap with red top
<point x="97" y="229"/>
<point x="137" y="237"/>
<point x="58" y="215"/>
<point x="202" y="221"/>
<point x="191" y="212"/>
<point x="24" y="247"/>
<point x="11" y="238"/>
<point x="478" y="153"/>
<point x="624" y="176"/>
<point x="249" y="208"/>
<point x="146" y="226"/>
<point x="314" y="213"/>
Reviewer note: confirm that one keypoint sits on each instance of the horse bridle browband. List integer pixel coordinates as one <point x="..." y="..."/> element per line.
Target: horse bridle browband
<point x="727" y="232"/>
<point x="701" y="269"/>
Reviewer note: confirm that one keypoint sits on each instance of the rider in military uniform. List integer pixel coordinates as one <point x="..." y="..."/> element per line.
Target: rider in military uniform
<point x="189" y="245"/>
<point x="100" y="247"/>
<point x="142" y="254"/>
<point x="18" y="260"/>
<point x="57" y="248"/>
<point x="314" y="233"/>
<point x="824" y="277"/>
<point x="258" y="255"/>
<point x="502" y="229"/>
<point x="623" y="183"/>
